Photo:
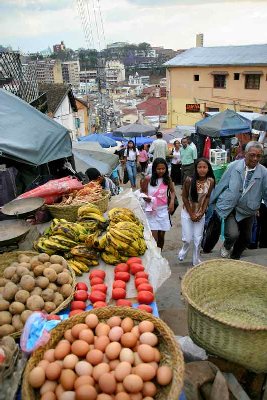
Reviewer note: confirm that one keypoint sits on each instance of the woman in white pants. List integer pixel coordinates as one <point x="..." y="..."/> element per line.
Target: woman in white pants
<point x="195" y="195"/>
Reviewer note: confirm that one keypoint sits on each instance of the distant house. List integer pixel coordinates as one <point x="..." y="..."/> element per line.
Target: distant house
<point x="129" y="115"/>
<point x="154" y="111"/>
<point x="83" y="118"/>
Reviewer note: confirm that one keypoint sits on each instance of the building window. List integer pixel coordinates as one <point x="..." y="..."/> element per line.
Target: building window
<point x="220" y="81"/>
<point x="196" y="78"/>
<point x="212" y="109"/>
<point x="236" y="76"/>
<point x="252" y="81"/>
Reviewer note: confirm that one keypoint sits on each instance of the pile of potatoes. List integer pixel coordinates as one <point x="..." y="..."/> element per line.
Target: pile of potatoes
<point x="38" y="283"/>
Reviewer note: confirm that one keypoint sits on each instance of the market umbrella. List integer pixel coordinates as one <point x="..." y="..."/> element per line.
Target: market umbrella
<point x="138" y="140"/>
<point x="226" y="123"/>
<point x="135" y="130"/>
<point x="103" y="140"/>
<point x="260" y="123"/>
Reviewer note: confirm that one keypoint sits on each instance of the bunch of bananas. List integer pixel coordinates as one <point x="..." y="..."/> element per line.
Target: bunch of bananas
<point x="90" y="214"/>
<point x="122" y="214"/>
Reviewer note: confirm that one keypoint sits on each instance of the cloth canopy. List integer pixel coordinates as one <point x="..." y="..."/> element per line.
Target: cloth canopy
<point x="135" y="130"/>
<point x="226" y="123"/>
<point x="260" y="123"/>
<point x="27" y="135"/>
<point x="103" y="140"/>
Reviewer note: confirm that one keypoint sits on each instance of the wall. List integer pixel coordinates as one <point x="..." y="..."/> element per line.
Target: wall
<point x="84" y="120"/>
<point x="57" y="72"/>
<point x="65" y="116"/>
<point x="182" y="90"/>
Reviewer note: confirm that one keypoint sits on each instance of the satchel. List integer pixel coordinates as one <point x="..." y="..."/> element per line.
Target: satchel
<point x="211" y="233"/>
<point x="176" y="202"/>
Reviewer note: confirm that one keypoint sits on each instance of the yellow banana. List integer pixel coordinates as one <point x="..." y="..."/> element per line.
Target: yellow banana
<point x="118" y="244"/>
<point x="94" y="216"/>
<point x="85" y="260"/>
<point x="109" y="258"/>
<point x="111" y="250"/>
<point x="83" y="251"/>
<point x="120" y="236"/>
<point x="79" y="264"/>
<point x="65" y="241"/>
<point x="102" y="242"/>
<point x="75" y="268"/>
<point x="51" y="244"/>
<point x="87" y="208"/>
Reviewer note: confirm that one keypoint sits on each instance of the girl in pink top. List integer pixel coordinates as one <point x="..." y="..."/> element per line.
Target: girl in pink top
<point x="143" y="158"/>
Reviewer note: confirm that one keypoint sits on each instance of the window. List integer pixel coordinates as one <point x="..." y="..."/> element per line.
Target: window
<point x="252" y="81"/>
<point x="220" y="81"/>
<point x="236" y="76"/>
<point x="212" y="109"/>
<point x="196" y="78"/>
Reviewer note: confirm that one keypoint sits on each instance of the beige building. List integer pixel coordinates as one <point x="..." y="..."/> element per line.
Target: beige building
<point x="71" y="73"/>
<point x="48" y="71"/>
<point x="214" y="79"/>
<point x="115" y="72"/>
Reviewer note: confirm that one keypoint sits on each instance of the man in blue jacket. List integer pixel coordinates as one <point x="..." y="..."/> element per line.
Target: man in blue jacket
<point x="238" y="197"/>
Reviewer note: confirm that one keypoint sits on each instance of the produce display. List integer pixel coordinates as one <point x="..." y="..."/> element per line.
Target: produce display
<point x="38" y="283"/>
<point x="90" y="193"/>
<point x="118" y="359"/>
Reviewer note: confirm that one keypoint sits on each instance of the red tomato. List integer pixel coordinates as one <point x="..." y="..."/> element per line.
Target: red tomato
<point x="118" y="293"/>
<point x="97" y="272"/>
<point x="74" y="312"/>
<point x="145" y="307"/>
<point x="77" y="305"/>
<point x="138" y="281"/>
<point x="80" y="295"/>
<point x="123" y="303"/>
<point x="122" y="276"/>
<point x="119" y="284"/>
<point x="136" y="268"/>
<point x="123" y="267"/>
<point x="141" y="274"/>
<point x="96" y="295"/>
<point x="81" y="286"/>
<point x="102" y="287"/>
<point x="134" y="260"/>
<point x="145" y="297"/>
<point x="99" y="304"/>
<point x="145" y="286"/>
<point x="96" y="281"/>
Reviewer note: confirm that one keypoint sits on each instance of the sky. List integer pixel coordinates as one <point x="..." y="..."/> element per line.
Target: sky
<point x="33" y="25"/>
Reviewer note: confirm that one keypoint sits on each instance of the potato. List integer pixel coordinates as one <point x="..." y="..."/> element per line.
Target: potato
<point x="48" y="294"/>
<point x="38" y="270"/>
<point x="43" y="257"/>
<point x="58" y="299"/>
<point x="42" y="282"/>
<point x="17" y="322"/>
<point x="14" y="264"/>
<point x="22" y="270"/>
<point x="36" y="290"/>
<point x="1" y="291"/>
<point x="57" y="268"/>
<point x="50" y="274"/>
<point x="6" y="330"/>
<point x="25" y="265"/>
<point x="47" y="264"/>
<point x="66" y="290"/>
<point x="22" y="296"/>
<point x="25" y="315"/>
<point x="15" y="278"/>
<point x="52" y="286"/>
<point x="54" y="259"/>
<point x="9" y="291"/>
<point x="4" y="305"/>
<point x="49" y="306"/>
<point x="27" y="283"/>
<point x="3" y="281"/>
<point x="64" y="263"/>
<point x="63" y="278"/>
<point x="24" y="258"/>
<point x="9" y="272"/>
<point x="35" y="261"/>
<point x="35" y="303"/>
<point x="5" y="317"/>
<point x="16" y="307"/>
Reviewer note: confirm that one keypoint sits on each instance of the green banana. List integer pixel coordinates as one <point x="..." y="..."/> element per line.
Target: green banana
<point x="51" y="244"/>
<point x="65" y="241"/>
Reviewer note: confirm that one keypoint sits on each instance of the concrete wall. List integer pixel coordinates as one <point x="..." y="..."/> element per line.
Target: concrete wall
<point x="65" y="116"/>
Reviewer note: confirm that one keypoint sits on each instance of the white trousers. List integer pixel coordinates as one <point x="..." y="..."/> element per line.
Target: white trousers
<point x="191" y="231"/>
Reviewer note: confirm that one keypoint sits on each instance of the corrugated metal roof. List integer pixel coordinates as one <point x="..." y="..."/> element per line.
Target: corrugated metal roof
<point x="223" y="55"/>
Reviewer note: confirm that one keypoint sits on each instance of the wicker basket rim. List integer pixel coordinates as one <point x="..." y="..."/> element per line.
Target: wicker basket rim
<point x="106" y="192"/>
<point x="184" y="287"/>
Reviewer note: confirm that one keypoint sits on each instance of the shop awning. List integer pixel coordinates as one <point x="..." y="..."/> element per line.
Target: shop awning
<point x="252" y="73"/>
<point x="219" y="73"/>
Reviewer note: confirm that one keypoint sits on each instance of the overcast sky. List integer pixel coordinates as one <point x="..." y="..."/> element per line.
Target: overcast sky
<point x="32" y="25"/>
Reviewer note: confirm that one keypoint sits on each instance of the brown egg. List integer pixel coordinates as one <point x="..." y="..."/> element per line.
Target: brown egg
<point x="136" y="396"/>
<point x="128" y="340"/>
<point x="53" y="371"/>
<point x="133" y="383"/>
<point x="80" y="348"/>
<point x="122" y="396"/>
<point x="127" y="355"/>
<point x="105" y="359"/>
<point x="49" y="355"/>
<point x="101" y="342"/>
<point x="68" y="395"/>
<point x="107" y="383"/>
<point x="122" y="370"/>
<point x="102" y="329"/>
<point x="113" y="350"/>
<point x="86" y="392"/>
<point x="148" y="338"/>
<point x="48" y="386"/>
<point x="87" y="335"/>
<point x="115" y="334"/>
<point x="83" y="368"/>
<point x="62" y="349"/>
<point x="154" y="365"/>
<point x="68" y="336"/>
<point x="67" y="379"/>
<point x="149" y="389"/>
<point x="59" y="391"/>
<point x="49" y="396"/>
<point x="127" y="324"/>
<point x="157" y="355"/>
<point x="37" y="377"/>
<point x="99" y="370"/>
<point x="91" y="321"/>
<point x="114" y="321"/>
<point x="146" y="352"/>
<point x="137" y="359"/>
<point x="148" y="398"/>
<point x="120" y="388"/>
<point x="113" y="364"/>
<point x="164" y="375"/>
<point x="94" y="357"/>
<point x="145" y="371"/>
<point x="135" y="331"/>
<point x="43" y="364"/>
<point x="146" y="326"/>
<point x="104" y="396"/>
<point x="70" y="361"/>
<point x="76" y="329"/>
<point x="84" y="380"/>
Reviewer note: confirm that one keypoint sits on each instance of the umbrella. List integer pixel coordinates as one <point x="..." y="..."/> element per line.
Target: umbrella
<point x="92" y="155"/>
<point x="226" y="123"/>
<point x="260" y="123"/>
<point x="138" y="140"/>
<point x="103" y="140"/>
<point x="135" y="130"/>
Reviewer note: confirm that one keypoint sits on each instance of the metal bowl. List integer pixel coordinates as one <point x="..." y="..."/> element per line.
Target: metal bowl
<point x="12" y="231"/>
<point x="22" y="207"/>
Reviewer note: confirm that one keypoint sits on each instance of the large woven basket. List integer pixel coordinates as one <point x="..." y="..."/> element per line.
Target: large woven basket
<point x="69" y="212"/>
<point x="7" y="258"/>
<point x="227" y="310"/>
<point x="170" y="350"/>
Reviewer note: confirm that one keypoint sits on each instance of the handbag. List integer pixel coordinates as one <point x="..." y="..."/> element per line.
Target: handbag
<point x="211" y="233"/>
<point x="176" y="202"/>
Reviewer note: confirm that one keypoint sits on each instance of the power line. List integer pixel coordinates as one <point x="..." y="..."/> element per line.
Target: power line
<point x="90" y="22"/>
<point x="96" y="24"/>
<point x="102" y="25"/>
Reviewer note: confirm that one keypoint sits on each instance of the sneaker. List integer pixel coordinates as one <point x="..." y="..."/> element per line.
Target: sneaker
<point x="224" y="252"/>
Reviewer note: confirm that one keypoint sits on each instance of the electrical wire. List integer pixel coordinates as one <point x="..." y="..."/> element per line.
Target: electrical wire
<point x="90" y="23"/>
<point x="102" y="24"/>
<point x="96" y="25"/>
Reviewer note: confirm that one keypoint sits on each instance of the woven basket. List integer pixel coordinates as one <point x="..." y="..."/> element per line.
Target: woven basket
<point x="70" y="212"/>
<point x="7" y="258"/>
<point x="227" y="310"/>
<point x="170" y="351"/>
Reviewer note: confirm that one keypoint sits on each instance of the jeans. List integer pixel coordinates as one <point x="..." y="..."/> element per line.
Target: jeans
<point x="237" y="234"/>
<point x="131" y="169"/>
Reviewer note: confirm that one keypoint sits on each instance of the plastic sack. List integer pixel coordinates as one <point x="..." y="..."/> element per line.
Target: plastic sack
<point x="191" y="351"/>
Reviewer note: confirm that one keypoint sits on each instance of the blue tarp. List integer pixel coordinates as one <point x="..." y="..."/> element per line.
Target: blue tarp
<point x="226" y="123"/>
<point x="137" y="140"/>
<point x="103" y="140"/>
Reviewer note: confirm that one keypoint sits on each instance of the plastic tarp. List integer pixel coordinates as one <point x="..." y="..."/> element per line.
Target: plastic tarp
<point x="138" y="140"/>
<point x="260" y="123"/>
<point x="27" y="135"/>
<point x="135" y="130"/>
<point x="226" y="123"/>
<point x="103" y="140"/>
<point x="92" y="155"/>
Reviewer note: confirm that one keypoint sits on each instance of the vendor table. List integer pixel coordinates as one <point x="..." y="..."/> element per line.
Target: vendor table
<point x="218" y="171"/>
